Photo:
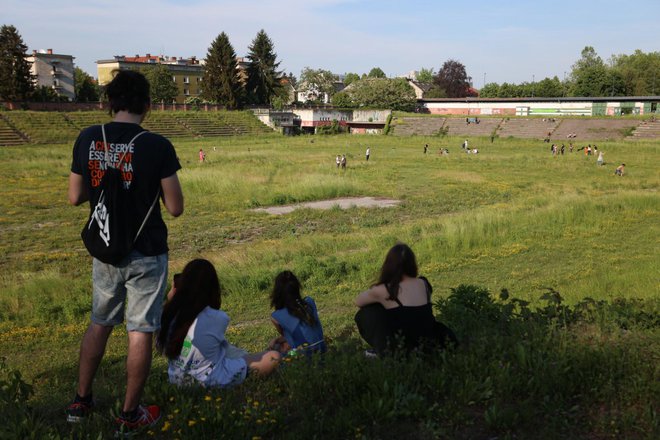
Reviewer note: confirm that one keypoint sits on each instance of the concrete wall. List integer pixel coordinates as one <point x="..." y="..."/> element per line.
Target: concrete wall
<point x="527" y="108"/>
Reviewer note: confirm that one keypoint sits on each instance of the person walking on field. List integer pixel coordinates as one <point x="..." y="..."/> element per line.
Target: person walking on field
<point x="338" y="160"/>
<point x="600" y="159"/>
<point x="368" y="153"/>
<point x="132" y="289"/>
<point x="343" y="162"/>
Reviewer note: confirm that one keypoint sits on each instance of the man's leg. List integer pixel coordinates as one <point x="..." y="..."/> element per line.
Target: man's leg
<point x="138" y="364"/>
<point x="92" y="349"/>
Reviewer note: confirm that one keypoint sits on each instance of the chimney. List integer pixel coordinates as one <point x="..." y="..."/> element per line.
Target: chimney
<point x="148" y="55"/>
<point x="49" y="51"/>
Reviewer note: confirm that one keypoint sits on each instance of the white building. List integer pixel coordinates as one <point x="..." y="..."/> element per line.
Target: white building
<point x="55" y="71"/>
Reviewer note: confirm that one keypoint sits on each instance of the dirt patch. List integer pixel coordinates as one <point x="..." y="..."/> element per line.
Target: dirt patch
<point x="343" y="203"/>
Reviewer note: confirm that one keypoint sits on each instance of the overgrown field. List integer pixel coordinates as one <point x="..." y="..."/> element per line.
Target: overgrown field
<point x="570" y="349"/>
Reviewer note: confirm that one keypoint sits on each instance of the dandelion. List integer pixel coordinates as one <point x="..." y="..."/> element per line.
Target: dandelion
<point x="255" y="404"/>
<point x="176" y="411"/>
<point x="171" y="398"/>
<point x="207" y="398"/>
<point x="192" y="422"/>
<point x="166" y="426"/>
<point x="218" y="399"/>
<point x="259" y="421"/>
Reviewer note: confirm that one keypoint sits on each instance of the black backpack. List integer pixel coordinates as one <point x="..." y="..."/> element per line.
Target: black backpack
<point x="111" y="231"/>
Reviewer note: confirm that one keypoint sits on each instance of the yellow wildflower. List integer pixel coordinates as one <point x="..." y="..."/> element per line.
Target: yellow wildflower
<point x="192" y="422"/>
<point x="166" y="426"/>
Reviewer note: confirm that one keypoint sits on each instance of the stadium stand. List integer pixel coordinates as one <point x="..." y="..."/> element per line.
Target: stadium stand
<point x="527" y="128"/>
<point x="485" y="127"/>
<point x="9" y="135"/>
<point x="418" y="126"/>
<point x="593" y="129"/>
<point x="647" y="130"/>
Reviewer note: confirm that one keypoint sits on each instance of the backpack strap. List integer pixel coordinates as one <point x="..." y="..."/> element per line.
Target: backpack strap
<point x="105" y="145"/>
<point x="121" y="159"/>
<point x="144" y="222"/>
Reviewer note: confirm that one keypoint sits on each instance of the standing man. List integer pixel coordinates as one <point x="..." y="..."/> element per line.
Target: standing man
<point x="368" y="153"/>
<point x="132" y="289"/>
<point x="426" y="147"/>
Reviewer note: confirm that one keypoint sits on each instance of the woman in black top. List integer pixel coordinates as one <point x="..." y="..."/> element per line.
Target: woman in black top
<point x="396" y="312"/>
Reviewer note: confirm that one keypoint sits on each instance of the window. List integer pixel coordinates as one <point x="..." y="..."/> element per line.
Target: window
<point x="186" y="80"/>
<point x="186" y="92"/>
<point x="199" y="79"/>
<point x="56" y="83"/>
<point x="173" y="78"/>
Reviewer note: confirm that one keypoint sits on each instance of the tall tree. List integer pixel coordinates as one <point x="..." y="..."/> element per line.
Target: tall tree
<point x="376" y="72"/>
<point x="453" y="78"/>
<point x="395" y="94"/>
<point x="425" y="75"/>
<point x="16" y="80"/>
<point x="589" y="74"/>
<point x="350" y="78"/>
<point x="163" y="88"/>
<point x="490" y="90"/>
<point x="221" y="82"/>
<point x="317" y="83"/>
<point x="87" y="89"/>
<point x="640" y="72"/>
<point x="263" y="79"/>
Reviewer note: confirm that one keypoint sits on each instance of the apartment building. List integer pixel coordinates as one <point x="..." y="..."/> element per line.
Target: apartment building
<point x="187" y="73"/>
<point x="55" y="71"/>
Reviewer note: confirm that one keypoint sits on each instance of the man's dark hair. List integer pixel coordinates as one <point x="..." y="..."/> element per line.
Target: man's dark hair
<point x="129" y="91"/>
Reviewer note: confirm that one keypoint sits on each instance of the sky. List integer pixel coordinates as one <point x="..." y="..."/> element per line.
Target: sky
<point x="497" y="41"/>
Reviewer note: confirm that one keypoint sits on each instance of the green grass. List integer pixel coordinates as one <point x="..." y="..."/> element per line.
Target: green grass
<point x="512" y="217"/>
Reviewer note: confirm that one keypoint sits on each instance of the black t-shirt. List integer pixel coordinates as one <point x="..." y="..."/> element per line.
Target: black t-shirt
<point x="150" y="159"/>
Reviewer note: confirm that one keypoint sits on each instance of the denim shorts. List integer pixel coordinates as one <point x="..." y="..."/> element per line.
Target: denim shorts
<point x="135" y="288"/>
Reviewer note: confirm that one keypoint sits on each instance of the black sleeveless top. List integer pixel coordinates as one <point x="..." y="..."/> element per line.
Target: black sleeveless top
<point x="412" y="323"/>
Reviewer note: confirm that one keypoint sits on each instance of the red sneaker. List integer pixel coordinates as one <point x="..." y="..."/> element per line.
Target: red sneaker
<point x="147" y="416"/>
<point x="77" y="411"/>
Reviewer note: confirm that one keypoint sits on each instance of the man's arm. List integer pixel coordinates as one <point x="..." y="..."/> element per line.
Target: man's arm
<point x="77" y="190"/>
<point x="172" y="195"/>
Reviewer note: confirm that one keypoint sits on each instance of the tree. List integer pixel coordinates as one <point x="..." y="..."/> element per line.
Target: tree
<point x="87" y="90"/>
<point x="16" y="80"/>
<point x="317" y="83"/>
<point x="343" y="99"/>
<point x="588" y="74"/>
<point x="221" y="82"/>
<point x="395" y="94"/>
<point x="453" y="79"/>
<point x="163" y="88"/>
<point x="350" y="78"/>
<point x="263" y="77"/>
<point x="376" y="72"/>
<point x="490" y="90"/>
<point x="549" y="88"/>
<point x="435" y="92"/>
<point x="425" y="75"/>
<point x="46" y="94"/>
<point x="640" y="72"/>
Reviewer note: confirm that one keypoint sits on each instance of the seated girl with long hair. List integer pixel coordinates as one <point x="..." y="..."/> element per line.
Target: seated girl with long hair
<point x="296" y="319"/>
<point x="192" y="333"/>
<point x="396" y="312"/>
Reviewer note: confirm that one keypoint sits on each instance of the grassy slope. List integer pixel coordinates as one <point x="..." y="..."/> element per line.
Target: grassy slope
<point x="512" y="217"/>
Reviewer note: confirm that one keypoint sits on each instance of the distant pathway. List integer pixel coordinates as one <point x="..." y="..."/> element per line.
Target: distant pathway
<point x="343" y="203"/>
